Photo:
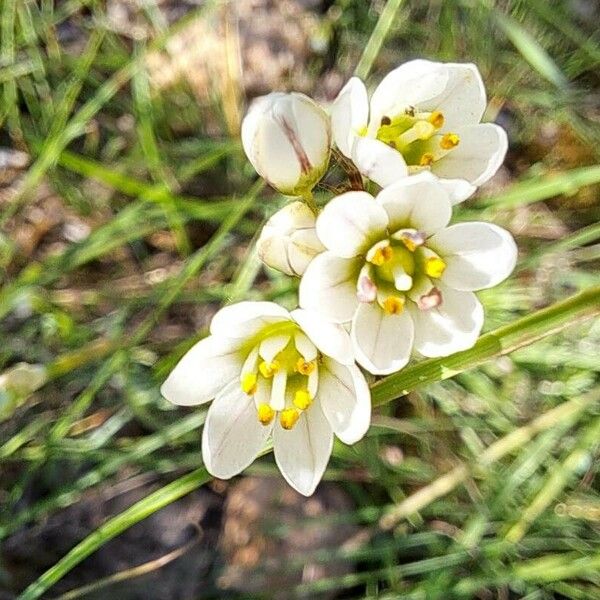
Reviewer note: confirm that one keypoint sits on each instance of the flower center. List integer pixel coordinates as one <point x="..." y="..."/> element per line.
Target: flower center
<point x="281" y="372"/>
<point x="398" y="269"/>
<point x="417" y="136"/>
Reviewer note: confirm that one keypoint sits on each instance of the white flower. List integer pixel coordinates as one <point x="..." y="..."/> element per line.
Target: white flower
<point x="288" y="241"/>
<point x="402" y="276"/>
<point x="272" y="372"/>
<point x="423" y="116"/>
<point x="287" y="138"/>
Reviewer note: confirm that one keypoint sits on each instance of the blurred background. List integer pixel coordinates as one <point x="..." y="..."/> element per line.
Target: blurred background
<point x="128" y="215"/>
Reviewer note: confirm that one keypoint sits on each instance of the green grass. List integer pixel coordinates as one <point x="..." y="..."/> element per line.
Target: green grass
<point x="497" y="492"/>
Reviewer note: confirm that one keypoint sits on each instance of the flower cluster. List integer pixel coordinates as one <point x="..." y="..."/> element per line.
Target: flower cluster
<point x="381" y="277"/>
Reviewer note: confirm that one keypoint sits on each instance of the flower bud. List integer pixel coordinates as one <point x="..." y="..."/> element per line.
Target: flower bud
<point x="287" y="138"/>
<point x="288" y="241"/>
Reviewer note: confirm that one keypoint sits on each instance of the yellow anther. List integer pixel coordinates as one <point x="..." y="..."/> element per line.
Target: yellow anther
<point x="423" y="130"/>
<point x="248" y="383"/>
<point x="265" y="413"/>
<point x="436" y="118"/>
<point x="267" y="370"/>
<point x="382" y="255"/>
<point x="426" y="159"/>
<point x="435" y="266"/>
<point x="305" y="368"/>
<point x="412" y="240"/>
<point x="362" y="131"/>
<point x="393" y="305"/>
<point x="302" y="399"/>
<point x="449" y="141"/>
<point x="288" y="417"/>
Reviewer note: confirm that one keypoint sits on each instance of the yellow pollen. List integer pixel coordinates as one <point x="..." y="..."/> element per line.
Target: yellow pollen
<point x="248" y="383"/>
<point x="362" y="131"/>
<point x="426" y="159"/>
<point x="382" y="255"/>
<point x="409" y="243"/>
<point x="288" y="417"/>
<point x="305" y="368"/>
<point x="423" y="130"/>
<point x="265" y="413"/>
<point x="434" y="266"/>
<point x="267" y="370"/>
<point x="436" y="118"/>
<point x="302" y="399"/>
<point x="449" y="141"/>
<point x="393" y="305"/>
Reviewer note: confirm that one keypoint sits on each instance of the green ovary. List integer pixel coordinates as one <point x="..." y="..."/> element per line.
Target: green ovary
<point x="417" y="137"/>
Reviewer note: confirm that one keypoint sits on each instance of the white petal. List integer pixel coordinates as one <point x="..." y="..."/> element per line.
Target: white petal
<point x="350" y="223"/>
<point x="329" y="286"/>
<point x="330" y="338"/>
<point x="203" y="371"/>
<point x="232" y="435"/>
<point x="463" y="100"/>
<point x="251" y="123"/>
<point x="345" y="399"/>
<point x="303" y="247"/>
<point x="477" y="157"/>
<point x="306" y="348"/>
<point x="312" y="128"/>
<point x="418" y="202"/>
<point x="273" y="252"/>
<point x="349" y="113"/>
<point x="416" y="84"/>
<point x="458" y="190"/>
<point x="245" y="319"/>
<point x="274" y="156"/>
<point x="382" y="343"/>
<point x="272" y="346"/>
<point x="451" y="327"/>
<point x="302" y="453"/>
<point x="293" y="216"/>
<point x="378" y="161"/>
<point x="455" y="89"/>
<point x="477" y="255"/>
<point x="288" y="240"/>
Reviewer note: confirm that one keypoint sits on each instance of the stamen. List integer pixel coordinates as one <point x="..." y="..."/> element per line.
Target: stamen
<point x="305" y="368"/>
<point x="381" y="255"/>
<point x="430" y="300"/>
<point x="249" y="383"/>
<point x="267" y="370"/>
<point x="386" y="121"/>
<point x="434" y="267"/>
<point x="393" y="305"/>
<point x="411" y="238"/>
<point x="366" y="290"/>
<point x="265" y="413"/>
<point x="436" y="118"/>
<point x="288" y="417"/>
<point x="302" y="399"/>
<point x="449" y="141"/>
<point x="426" y="159"/>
